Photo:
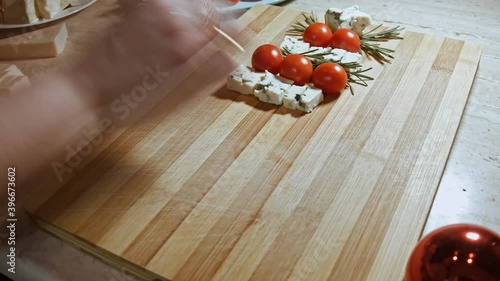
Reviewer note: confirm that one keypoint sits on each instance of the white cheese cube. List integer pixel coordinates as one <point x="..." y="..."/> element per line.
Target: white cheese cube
<point x="243" y="80"/>
<point x="272" y="89"/>
<point x="290" y="98"/>
<point x="351" y="18"/>
<point x="319" y="50"/>
<point x="46" y="42"/>
<point x="46" y="9"/>
<point x="249" y="82"/>
<point x="240" y="70"/>
<point x="335" y="55"/>
<point x="294" y="46"/>
<point x="342" y="56"/>
<point x="300" y="48"/>
<point x="351" y="57"/>
<point x="339" y="52"/>
<point x="288" y="43"/>
<point x="234" y="83"/>
<point x="303" y="101"/>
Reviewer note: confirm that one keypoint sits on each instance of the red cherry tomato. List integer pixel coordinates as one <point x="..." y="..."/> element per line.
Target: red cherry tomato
<point x="267" y="57"/>
<point x="330" y="77"/>
<point x="318" y="35"/>
<point x="297" y="68"/>
<point x="232" y="2"/>
<point x="346" y="39"/>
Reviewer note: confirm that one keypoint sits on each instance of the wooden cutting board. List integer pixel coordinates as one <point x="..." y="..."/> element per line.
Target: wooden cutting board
<point x="228" y="188"/>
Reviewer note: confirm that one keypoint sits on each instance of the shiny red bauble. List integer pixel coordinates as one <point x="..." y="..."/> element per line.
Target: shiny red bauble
<point x="460" y="252"/>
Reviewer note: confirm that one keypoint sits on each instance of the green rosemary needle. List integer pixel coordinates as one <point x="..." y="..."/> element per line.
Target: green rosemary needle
<point x="354" y="71"/>
<point x="298" y="28"/>
<point x="370" y="43"/>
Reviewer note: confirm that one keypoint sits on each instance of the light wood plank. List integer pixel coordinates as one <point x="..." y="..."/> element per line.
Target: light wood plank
<point x="243" y="190"/>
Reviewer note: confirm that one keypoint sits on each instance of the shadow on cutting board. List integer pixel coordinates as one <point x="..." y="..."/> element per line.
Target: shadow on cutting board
<point x="224" y="93"/>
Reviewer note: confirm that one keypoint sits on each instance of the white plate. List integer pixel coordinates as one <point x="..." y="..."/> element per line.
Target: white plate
<point x="247" y="4"/>
<point x="62" y="14"/>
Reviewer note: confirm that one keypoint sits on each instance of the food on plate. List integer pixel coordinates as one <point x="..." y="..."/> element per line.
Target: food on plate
<point x="42" y="43"/>
<point x="314" y="59"/>
<point x="46" y="9"/>
<point x="28" y="11"/>
<point x="351" y="18"/>
<point x="19" y="11"/>
<point x="11" y="79"/>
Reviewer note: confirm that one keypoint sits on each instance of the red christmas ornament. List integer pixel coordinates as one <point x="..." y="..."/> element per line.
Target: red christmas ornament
<point x="460" y="252"/>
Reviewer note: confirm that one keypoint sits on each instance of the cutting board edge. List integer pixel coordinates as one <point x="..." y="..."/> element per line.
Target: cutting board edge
<point x="99" y="253"/>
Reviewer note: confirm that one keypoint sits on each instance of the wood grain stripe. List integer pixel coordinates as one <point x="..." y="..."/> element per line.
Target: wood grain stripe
<point x="143" y="251"/>
<point x="321" y="192"/>
<point x="187" y="153"/>
<point x="246" y="204"/>
<point x="289" y="192"/>
<point x="174" y="245"/>
<point x="415" y="203"/>
<point x="109" y="156"/>
<point x="61" y="201"/>
<point x="139" y="164"/>
<point x="223" y="187"/>
<point x="384" y="200"/>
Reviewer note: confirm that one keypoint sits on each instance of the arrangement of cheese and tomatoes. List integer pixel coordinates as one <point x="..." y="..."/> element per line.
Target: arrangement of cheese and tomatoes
<point x="285" y="75"/>
<point x="28" y="11"/>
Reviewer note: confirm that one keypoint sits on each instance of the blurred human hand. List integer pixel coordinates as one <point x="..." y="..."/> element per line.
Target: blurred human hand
<point x="43" y="120"/>
<point x="153" y="33"/>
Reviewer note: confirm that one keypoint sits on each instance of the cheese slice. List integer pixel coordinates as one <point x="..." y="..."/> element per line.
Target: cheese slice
<point x="19" y="11"/>
<point x="46" y="9"/>
<point x="43" y="43"/>
<point x="11" y="79"/>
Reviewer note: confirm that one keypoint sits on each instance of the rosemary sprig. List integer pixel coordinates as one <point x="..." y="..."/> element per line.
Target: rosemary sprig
<point x="298" y="28"/>
<point x="355" y="73"/>
<point x="357" y="77"/>
<point x="370" y="43"/>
